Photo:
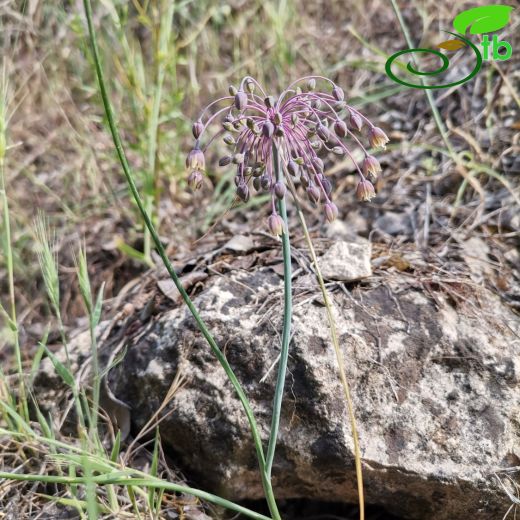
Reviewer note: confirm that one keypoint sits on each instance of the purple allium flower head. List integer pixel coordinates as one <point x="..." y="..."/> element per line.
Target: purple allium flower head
<point x="302" y="121"/>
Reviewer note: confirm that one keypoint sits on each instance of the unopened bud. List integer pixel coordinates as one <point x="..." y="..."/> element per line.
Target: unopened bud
<point x="365" y="191"/>
<point x="311" y="84"/>
<point x="340" y="128"/>
<point x="326" y="185"/>
<point x="268" y="129"/>
<point x="337" y="150"/>
<point x="243" y="192"/>
<point x="318" y="164"/>
<point x="323" y="132"/>
<point x="195" y="160"/>
<point x="371" y="167"/>
<point x="229" y="140"/>
<point x="265" y="182"/>
<point x="240" y="100"/>
<point x="232" y="90"/>
<point x="224" y="161"/>
<point x="292" y="168"/>
<point x="313" y="193"/>
<point x="338" y="94"/>
<point x="377" y="137"/>
<point x="269" y="102"/>
<point x="280" y="190"/>
<point x="331" y="211"/>
<point x="304" y="179"/>
<point x="256" y="184"/>
<point x="277" y="118"/>
<point x="356" y="121"/>
<point x="197" y="129"/>
<point x="294" y="120"/>
<point x="228" y="126"/>
<point x="250" y="86"/>
<point x="275" y="224"/>
<point x="195" y="180"/>
<point x="317" y="145"/>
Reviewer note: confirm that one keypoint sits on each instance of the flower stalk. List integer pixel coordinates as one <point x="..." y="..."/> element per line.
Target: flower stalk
<point x="287" y="318"/>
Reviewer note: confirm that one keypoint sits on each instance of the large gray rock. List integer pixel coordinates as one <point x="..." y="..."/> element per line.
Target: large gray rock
<point x="435" y="385"/>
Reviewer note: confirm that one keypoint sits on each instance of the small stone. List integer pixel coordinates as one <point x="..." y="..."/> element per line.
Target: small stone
<point x="346" y="261"/>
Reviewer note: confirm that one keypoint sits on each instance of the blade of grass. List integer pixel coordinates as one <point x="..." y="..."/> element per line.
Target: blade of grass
<point x="125" y="480"/>
<point x="162" y="253"/>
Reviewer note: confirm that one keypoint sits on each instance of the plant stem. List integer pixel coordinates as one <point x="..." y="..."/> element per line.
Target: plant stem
<point x="341" y="364"/>
<point x="287" y="316"/>
<point x="8" y="246"/>
<point x="167" y="264"/>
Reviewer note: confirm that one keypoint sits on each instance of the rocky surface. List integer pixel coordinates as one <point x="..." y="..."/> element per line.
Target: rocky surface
<point x="434" y="369"/>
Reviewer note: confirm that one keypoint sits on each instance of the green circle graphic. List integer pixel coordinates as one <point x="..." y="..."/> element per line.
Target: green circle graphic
<point x="445" y="64"/>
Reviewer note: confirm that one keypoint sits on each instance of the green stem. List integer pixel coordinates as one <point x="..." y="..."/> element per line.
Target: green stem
<point x="287" y="316"/>
<point x="9" y="252"/>
<point x="167" y="264"/>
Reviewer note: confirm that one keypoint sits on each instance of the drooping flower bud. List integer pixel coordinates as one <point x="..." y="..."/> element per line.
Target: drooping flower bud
<point x="265" y="182"/>
<point x="304" y="179"/>
<point x="280" y="190"/>
<point x="292" y="168"/>
<point x="338" y="94"/>
<point x="294" y="120"/>
<point x="365" y="191"/>
<point x="377" y="137"/>
<point x="229" y="140"/>
<point x="238" y="180"/>
<point x="243" y="192"/>
<point x="340" y="128"/>
<point x="195" y="160"/>
<point x="326" y="185"/>
<point x="197" y="129"/>
<point x="228" y="126"/>
<point x="256" y="184"/>
<point x="371" y="167"/>
<point x="268" y="129"/>
<point x="269" y="102"/>
<point x="258" y="169"/>
<point x="356" y="121"/>
<point x="323" y="132"/>
<point x="311" y="84"/>
<point x="318" y="164"/>
<point x="232" y="90"/>
<point x="275" y="224"/>
<point x="224" y="161"/>
<point x="250" y="85"/>
<point x="313" y="193"/>
<point x="337" y="150"/>
<point x="331" y="211"/>
<point x="195" y="180"/>
<point x="240" y="100"/>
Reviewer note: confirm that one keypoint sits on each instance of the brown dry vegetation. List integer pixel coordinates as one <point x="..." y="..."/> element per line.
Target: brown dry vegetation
<point x="61" y="161"/>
